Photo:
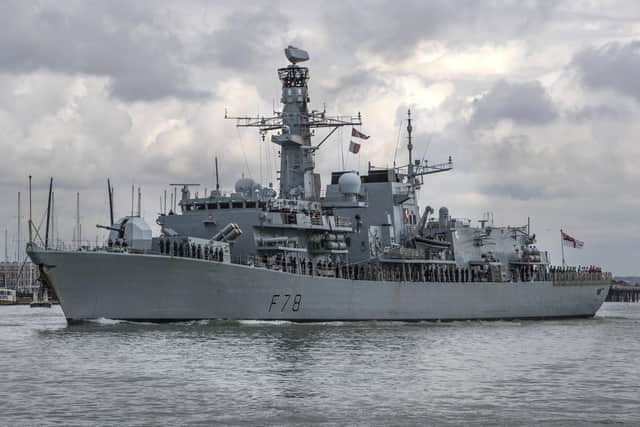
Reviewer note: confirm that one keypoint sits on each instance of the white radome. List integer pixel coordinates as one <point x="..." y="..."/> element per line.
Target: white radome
<point x="349" y="183"/>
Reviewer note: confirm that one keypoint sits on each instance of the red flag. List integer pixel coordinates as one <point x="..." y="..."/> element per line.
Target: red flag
<point x="354" y="147"/>
<point x="357" y="134"/>
<point x="571" y="242"/>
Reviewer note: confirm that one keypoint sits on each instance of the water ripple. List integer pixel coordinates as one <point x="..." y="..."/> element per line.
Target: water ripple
<point x="110" y="372"/>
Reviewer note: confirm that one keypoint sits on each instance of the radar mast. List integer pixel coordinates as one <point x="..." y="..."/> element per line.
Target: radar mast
<point x="293" y="126"/>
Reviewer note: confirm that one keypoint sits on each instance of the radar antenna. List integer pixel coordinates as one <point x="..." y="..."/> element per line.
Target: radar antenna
<point x="295" y="55"/>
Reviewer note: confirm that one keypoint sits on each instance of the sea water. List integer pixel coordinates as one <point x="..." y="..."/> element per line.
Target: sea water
<point x="109" y="372"/>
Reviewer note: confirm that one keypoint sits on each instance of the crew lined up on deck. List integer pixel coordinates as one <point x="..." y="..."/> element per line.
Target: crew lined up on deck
<point x="421" y="272"/>
<point x="186" y="250"/>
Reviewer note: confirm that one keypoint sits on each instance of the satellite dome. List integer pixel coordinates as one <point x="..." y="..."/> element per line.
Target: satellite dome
<point x="245" y="185"/>
<point x="349" y="183"/>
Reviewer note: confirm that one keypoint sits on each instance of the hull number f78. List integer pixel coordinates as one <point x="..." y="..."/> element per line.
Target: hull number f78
<point x="285" y="302"/>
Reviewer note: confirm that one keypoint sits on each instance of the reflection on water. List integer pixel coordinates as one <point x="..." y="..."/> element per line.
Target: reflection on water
<point x="114" y="372"/>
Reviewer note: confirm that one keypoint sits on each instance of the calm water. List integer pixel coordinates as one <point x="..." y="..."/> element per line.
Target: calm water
<point x="274" y="373"/>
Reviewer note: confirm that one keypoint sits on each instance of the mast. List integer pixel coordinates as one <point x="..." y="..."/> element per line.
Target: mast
<point x="46" y="232"/>
<point x="19" y="243"/>
<point x="30" y="216"/>
<point x="562" y="247"/>
<point x="410" y="147"/>
<point x="110" y="195"/>
<point x="139" y="201"/>
<point x="296" y="164"/>
<point x="132" y="191"/>
<point x="294" y="123"/>
<point x="6" y="245"/>
<point x="78" y="229"/>
<point x="217" y="176"/>
<point x="53" y="216"/>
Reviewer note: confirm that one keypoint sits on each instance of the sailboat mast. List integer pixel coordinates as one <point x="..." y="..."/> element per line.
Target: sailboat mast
<point x="53" y="216"/>
<point x="78" y="229"/>
<point x="19" y="243"/>
<point x="30" y="213"/>
<point x="217" y="176"/>
<point x="46" y="233"/>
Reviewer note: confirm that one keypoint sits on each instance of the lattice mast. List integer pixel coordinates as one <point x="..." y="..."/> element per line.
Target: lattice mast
<point x="416" y="169"/>
<point x="294" y="125"/>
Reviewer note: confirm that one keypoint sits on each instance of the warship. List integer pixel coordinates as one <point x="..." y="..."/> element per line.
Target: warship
<point x="362" y="249"/>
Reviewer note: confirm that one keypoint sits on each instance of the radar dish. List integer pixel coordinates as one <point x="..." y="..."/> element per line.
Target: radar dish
<point x="295" y="55"/>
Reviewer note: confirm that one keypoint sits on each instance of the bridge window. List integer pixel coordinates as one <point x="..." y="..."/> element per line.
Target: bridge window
<point x="291" y="218"/>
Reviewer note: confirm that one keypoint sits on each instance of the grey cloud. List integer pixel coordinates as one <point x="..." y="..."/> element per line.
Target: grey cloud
<point x="394" y="29"/>
<point x="115" y="39"/>
<point x="595" y="113"/>
<point x="525" y="167"/>
<point x="614" y="66"/>
<point x="354" y="87"/>
<point x="243" y="41"/>
<point x="517" y="168"/>
<point x="525" y="103"/>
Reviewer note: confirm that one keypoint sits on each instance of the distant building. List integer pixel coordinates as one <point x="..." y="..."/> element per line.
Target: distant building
<point x="18" y="276"/>
<point x="628" y="280"/>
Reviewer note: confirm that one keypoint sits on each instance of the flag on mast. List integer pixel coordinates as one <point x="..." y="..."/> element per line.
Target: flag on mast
<point x="357" y="134"/>
<point x="571" y="242"/>
<point x="354" y="147"/>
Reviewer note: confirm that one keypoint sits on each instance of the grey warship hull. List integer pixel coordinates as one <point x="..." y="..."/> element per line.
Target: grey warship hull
<point x="157" y="288"/>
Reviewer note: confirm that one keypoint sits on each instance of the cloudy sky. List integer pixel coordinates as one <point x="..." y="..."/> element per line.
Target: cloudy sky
<point x="538" y="103"/>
